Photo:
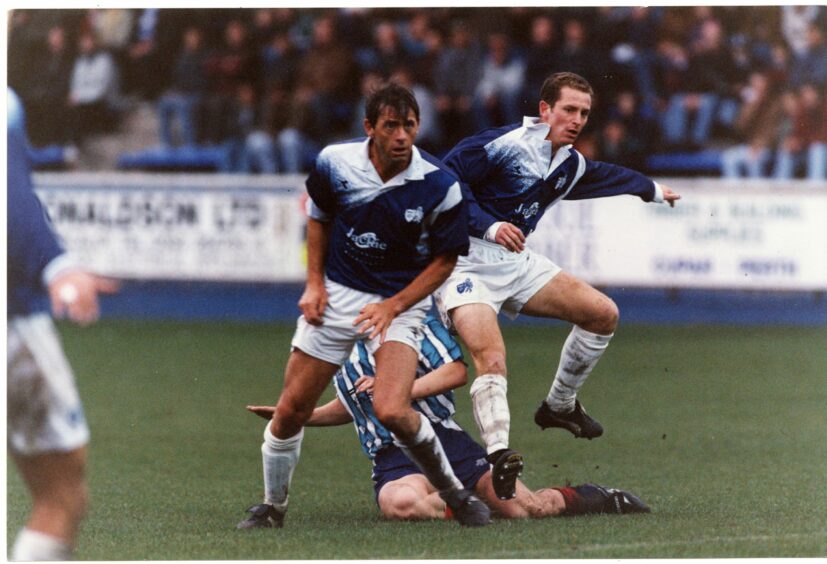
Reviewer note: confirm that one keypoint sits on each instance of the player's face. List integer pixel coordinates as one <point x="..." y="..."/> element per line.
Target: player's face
<point x="393" y="138"/>
<point x="567" y="117"/>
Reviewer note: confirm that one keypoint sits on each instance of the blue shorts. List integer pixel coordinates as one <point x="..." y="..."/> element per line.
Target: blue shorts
<point x="466" y="456"/>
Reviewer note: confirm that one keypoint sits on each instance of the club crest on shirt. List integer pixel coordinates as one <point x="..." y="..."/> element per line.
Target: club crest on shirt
<point x="465" y="286"/>
<point x="561" y="182"/>
<point x="415" y="215"/>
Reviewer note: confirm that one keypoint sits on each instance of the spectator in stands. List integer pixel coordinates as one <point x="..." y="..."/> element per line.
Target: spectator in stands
<point x="640" y="129"/>
<point x="429" y="136"/>
<point x="706" y="91"/>
<point x="370" y="82"/>
<point x="615" y="146"/>
<point x="227" y="68"/>
<point x="386" y="53"/>
<point x="810" y="64"/>
<point x="795" y="20"/>
<point x="805" y="146"/>
<point x="189" y="83"/>
<point x="456" y="78"/>
<point x="48" y="89"/>
<point x="150" y="54"/>
<point x="788" y="144"/>
<point x="497" y="97"/>
<point x="538" y="60"/>
<point x="323" y="99"/>
<point x="264" y="27"/>
<point x="754" y="128"/>
<point x="279" y="62"/>
<point x="92" y="89"/>
<point x="249" y="147"/>
<point x="575" y="55"/>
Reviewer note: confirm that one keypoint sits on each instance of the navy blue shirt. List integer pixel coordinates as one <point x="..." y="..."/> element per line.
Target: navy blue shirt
<point x="31" y="242"/>
<point x="384" y="234"/>
<point x="510" y="174"/>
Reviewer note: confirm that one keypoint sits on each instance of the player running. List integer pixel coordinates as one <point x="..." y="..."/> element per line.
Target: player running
<point x="402" y="492"/>
<point x="386" y="224"/>
<point x="510" y="177"/>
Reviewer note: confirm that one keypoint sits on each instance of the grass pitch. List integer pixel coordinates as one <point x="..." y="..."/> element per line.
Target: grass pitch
<point x="723" y="431"/>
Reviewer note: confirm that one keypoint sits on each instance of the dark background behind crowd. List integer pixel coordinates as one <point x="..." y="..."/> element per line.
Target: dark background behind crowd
<point x="269" y="87"/>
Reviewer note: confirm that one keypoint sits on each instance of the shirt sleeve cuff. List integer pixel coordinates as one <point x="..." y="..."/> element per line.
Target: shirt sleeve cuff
<point x="658" y="198"/>
<point x="491" y="232"/>
<point x="315" y="212"/>
<point x="57" y="266"/>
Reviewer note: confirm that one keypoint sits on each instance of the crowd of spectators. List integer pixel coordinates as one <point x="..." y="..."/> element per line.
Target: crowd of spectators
<point x="272" y="86"/>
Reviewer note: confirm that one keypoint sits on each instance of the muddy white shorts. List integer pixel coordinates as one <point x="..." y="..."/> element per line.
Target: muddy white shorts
<point x="493" y="275"/>
<point x="45" y="413"/>
<point x="333" y="340"/>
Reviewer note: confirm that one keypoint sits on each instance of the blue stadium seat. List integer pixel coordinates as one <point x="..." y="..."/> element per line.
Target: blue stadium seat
<point x="706" y="162"/>
<point x="174" y="158"/>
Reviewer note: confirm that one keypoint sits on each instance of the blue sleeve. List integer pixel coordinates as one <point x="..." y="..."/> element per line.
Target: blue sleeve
<point x="468" y="161"/>
<point x="319" y="189"/>
<point x="603" y="179"/>
<point x="31" y="242"/>
<point x="438" y="347"/>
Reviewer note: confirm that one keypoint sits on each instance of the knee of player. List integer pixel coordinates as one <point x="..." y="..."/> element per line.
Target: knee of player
<point x="291" y="413"/>
<point x="605" y="317"/>
<point x="390" y="415"/>
<point x="401" y="502"/>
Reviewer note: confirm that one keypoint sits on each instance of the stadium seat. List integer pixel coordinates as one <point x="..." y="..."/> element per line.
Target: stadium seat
<point x="174" y="158"/>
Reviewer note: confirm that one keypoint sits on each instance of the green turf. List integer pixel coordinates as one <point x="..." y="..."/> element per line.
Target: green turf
<point x="722" y="430"/>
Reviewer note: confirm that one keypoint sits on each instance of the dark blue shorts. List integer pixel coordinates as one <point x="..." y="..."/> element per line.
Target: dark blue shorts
<point x="466" y="456"/>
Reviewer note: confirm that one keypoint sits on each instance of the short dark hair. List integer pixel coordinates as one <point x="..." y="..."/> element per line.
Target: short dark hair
<point x="550" y="92"/>
<point x="390" y="95"/>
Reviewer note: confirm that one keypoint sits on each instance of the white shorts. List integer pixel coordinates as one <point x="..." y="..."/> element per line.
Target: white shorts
<point x="493" y="275"/>
<point x="334" y="339"/>
<point x="45" y="413"/>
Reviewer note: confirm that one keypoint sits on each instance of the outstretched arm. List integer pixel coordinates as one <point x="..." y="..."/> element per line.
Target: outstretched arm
<point x="328" y="415"/>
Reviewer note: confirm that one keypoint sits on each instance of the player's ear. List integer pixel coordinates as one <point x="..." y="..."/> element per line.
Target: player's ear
<point x="368" y="127"/>
<point x="544" y="107"/>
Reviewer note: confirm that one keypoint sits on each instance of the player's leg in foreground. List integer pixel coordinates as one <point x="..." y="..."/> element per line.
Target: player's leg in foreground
<point x="59" y="499"/>
<point x="395" y="372"/>
<point x="595" y="318"/>
<point x="305" y="379"/>
<point x="478" y="327"/>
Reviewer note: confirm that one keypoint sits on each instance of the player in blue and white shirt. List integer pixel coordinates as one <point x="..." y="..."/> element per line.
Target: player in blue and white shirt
<point x="402" y="491"/>
<point x="47" y="432"/>
<point x="386" y="225"/>
<point x="511" y="176"/>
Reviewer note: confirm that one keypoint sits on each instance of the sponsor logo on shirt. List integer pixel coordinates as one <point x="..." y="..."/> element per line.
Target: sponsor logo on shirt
<point x="366" y="240"/>
<point x="560" y="182"/>
<point x="529" y="211"/>
<point x="465" y="286"/>
<point x="414" y="216"/>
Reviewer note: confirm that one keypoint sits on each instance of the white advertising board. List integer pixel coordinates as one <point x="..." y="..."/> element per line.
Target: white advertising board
<point x="194" y="227"/>
<point x="749" y="236"/>
<point x="753" y="235"/>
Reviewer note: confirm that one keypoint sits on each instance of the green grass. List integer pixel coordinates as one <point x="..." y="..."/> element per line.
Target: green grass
<point x="723" y="431"/>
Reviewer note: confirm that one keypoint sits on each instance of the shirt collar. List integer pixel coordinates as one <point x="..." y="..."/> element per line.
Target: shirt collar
<point x="538" y="130"/>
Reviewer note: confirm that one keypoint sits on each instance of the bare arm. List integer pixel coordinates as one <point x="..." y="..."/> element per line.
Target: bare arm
<point x="446" y="377"/>
<point x="330" y="414"/>
<point x="314" y="299"/>
<point x="379" y="316"/>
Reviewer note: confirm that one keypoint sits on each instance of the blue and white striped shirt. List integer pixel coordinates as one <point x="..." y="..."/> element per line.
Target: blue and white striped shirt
<point x="437" y="347"/>
<point x="510" y="174"/>
<point x="384" y="234"/>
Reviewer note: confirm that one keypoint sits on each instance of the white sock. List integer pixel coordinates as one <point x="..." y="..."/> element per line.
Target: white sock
<point x="33" y="545"/>
<point x="427" y="453"/>
<point x="488" y="397"/>
<point x="580" y="354"/>
<point x="279" y="459"/>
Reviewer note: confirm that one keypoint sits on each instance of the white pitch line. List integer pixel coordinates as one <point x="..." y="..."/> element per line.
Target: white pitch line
<point x="704" y="540"/>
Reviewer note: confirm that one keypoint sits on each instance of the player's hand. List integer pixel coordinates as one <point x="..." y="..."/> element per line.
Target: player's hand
<point x="510" y="237"/>
<point x="378" y="317"/>
<point x="263" y="411"/>
<point x="670" y="196"/>
<point x="313" y="303"/>
<point x="74" y="294"/>
<point x="364" y="384"/>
